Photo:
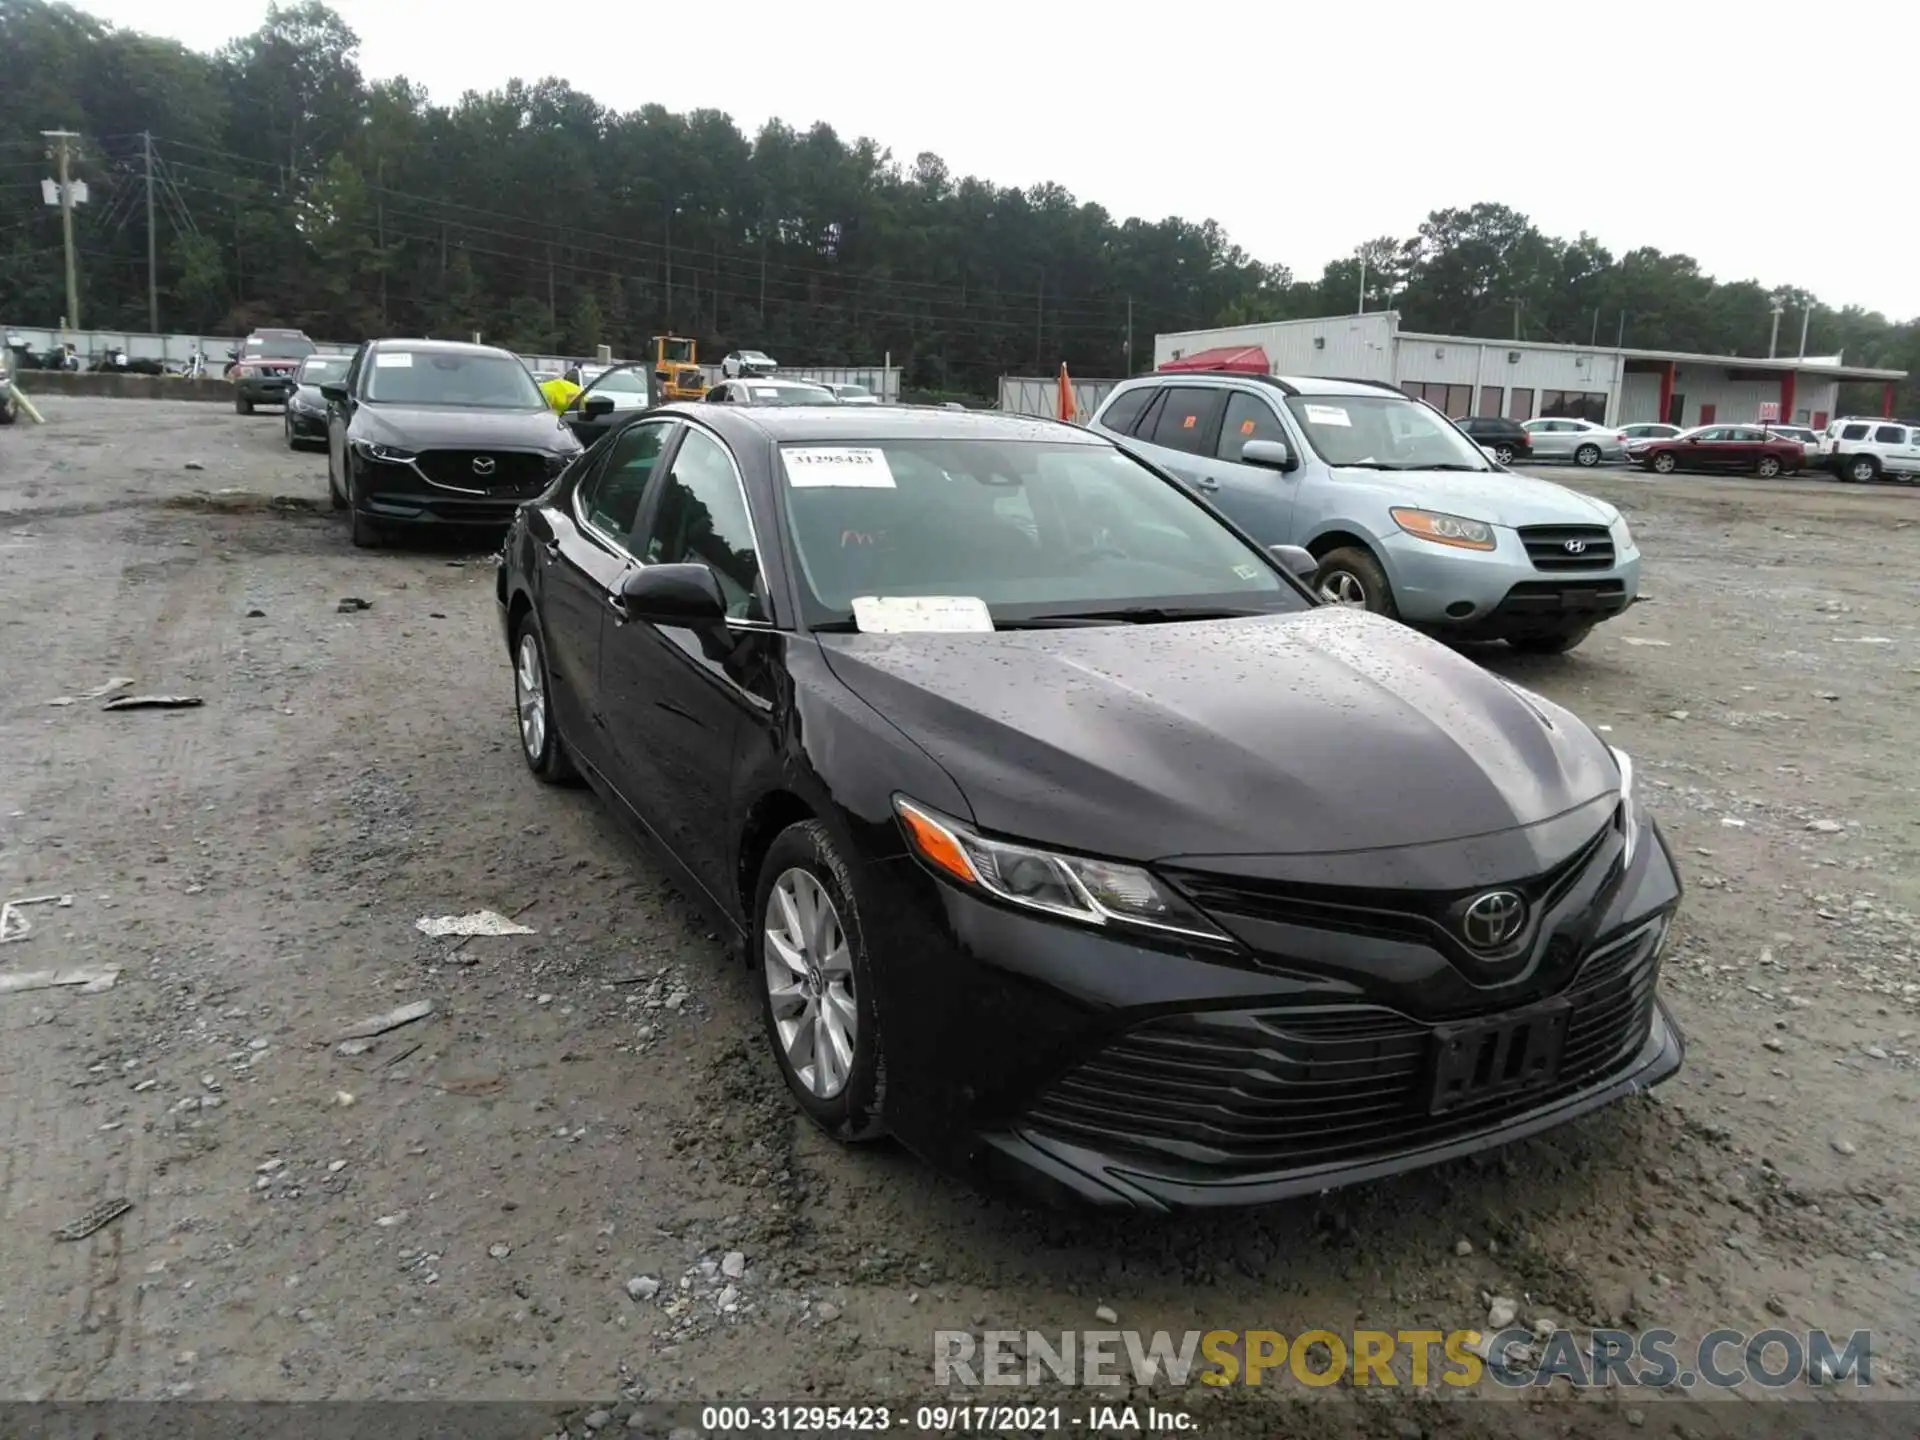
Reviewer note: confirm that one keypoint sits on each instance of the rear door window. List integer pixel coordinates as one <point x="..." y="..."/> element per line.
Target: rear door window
<point x="1890" y="435"/>
<point x="1248" y="417"/>
<point x="1190" y="419"/>
<point x="1125" y="409"/>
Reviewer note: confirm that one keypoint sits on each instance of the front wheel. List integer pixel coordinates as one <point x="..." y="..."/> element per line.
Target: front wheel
<point x="1587" y="456"/>
<point x="1664" y="463"/>
<point x="1553" y="642"/>
<point x="540" y="743"/>
<point x="364" y="533"/>
<point x="1768" y="467"/>
<point x="817" y="988"/>
<point x="1351" y="576"/>
<point x="242" y="405"/>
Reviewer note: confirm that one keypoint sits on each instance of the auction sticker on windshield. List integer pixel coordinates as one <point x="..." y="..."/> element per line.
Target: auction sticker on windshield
<point x="849" y="467"/>
<point x="393" y="360"/>
<point x="1327" y="415"/>
<point x="911" y="614"/>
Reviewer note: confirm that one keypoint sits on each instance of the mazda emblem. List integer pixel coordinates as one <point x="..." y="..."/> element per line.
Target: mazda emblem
<point x="1576" y="547"/>
<point x="1493" y="919"/>
<point x="483" y="464"/>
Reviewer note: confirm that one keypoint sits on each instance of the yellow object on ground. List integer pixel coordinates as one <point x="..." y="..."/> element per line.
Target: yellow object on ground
<point x="560" y="392"/>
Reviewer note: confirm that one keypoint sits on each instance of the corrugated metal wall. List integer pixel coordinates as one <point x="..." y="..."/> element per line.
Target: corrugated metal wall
<point x="1040" y="395"/>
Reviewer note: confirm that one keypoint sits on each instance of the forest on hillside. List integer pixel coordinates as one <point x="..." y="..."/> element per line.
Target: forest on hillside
<point x="289" y="189"/>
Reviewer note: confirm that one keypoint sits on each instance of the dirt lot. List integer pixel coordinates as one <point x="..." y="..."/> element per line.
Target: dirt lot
<point x="460" y="1209"/>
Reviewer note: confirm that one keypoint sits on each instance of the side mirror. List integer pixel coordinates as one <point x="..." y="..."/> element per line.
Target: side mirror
<point x="1269" y="454"/>
<point x="1296" y="560"/>
<point x="334" y="394"/>
<point x="1693" y="439"/>
<point x="597" y="407"/>
<point x="673" y="595"/>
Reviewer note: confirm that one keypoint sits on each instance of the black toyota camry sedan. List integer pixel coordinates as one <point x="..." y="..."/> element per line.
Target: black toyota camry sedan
<point x="434" y="432"/>
<point x="1066" y="835"/>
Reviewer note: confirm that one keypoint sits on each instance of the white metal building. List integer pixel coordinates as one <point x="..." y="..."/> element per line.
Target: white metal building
<point x="1522" y="380"/>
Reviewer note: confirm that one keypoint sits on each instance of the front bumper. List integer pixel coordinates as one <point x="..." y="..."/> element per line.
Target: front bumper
<point x="1501" y="591"/>
<point x="403" y="493"/>
<point x="1081" y="1066"/>
<point x="307" y="424"/>
<point x="264" y="389"/>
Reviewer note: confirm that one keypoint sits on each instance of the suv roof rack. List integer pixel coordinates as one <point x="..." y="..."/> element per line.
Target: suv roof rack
<point x="1370" y="384"/>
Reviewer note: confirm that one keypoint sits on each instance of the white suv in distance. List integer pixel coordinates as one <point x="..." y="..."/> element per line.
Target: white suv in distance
<point x="1862" y="450"/>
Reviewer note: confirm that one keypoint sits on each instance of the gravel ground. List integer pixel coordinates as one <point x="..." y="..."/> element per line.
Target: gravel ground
<point x="579" y="1176"/>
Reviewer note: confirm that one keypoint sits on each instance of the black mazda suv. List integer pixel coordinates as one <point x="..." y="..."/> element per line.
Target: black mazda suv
<point x="432" y="432"/>
<point x="1066" y="833"/>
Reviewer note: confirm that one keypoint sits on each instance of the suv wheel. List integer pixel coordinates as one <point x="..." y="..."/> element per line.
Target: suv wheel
<point x="1587" y="455"/>
<point x="1351" y="576"/>
<point x="1863" y="468"/>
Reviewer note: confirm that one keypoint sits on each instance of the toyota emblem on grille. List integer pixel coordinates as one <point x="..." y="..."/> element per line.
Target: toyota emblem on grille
<point x="483" y="464"/>
<point x="1576" y="547"/>
<point x="1493" y="919"/>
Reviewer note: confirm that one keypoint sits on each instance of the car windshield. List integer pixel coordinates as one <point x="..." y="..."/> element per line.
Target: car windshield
<point x="790" y="395"/>
<point x="451" y="377"/>
<point x="1383" y="432"/>
<point x="279" y="347"/>
<point x="622" y="382"/>
<point x="1032" y="528"/>
<point x="319" y="369"/>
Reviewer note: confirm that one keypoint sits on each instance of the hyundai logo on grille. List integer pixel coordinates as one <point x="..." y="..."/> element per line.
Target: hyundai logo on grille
<point x="1576" y="547"/>
<point x="483" y="464"/>
<point x="1493" y="919"/>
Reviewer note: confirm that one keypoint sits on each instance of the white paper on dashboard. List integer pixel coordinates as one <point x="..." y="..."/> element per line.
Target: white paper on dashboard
<point x="855" y="467"/>
<point x="909" y="614"/>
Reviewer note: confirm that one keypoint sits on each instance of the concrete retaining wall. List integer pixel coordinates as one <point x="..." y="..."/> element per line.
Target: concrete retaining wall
<point x="105" y="385"/>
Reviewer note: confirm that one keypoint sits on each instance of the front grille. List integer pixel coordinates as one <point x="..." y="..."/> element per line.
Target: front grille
<point x="1253" y="1091"/>
<point x="515" y="472"/>
<point x="1547" y="546"/>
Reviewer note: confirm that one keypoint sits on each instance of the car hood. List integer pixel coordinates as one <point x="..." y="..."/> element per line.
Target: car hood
<point x="1499" y="498"/>
<point x="426" y="427"/>
<point x="1329" y="730"/>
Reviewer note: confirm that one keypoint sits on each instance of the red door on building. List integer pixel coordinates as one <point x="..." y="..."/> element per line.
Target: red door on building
<point x="1819" y="419"/>
<point x="1707" y="412"/>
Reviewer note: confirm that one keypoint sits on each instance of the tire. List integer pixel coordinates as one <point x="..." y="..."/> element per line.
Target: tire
<point x="1351" y="576"/>
<point x="1663" y="463"/>
<point x="1554" y="642"/>
<point x="287" y="425"/>
<point x="819" y="983"/>
<point x="364" y="533"/>
<point x="1861" y="469"/>
<point x="1767" y="467"/>
<point x="541" y="745"/>
<point x="1503" y="454"/>
<point x="242" y="405"/>
<point x="1587" y="456"/>
<point x="335" y="500"/>
<point x="7" y="414"/>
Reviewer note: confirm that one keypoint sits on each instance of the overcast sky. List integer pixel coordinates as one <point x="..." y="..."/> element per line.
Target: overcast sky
<point x="1303" y="129"/>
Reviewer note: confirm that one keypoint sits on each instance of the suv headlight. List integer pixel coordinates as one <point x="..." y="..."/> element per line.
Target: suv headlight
<point x="389" y="454"/>
<point x="1071" y="887"/>
<point x="1629" y="806"/>
<point x="1444" y="529"/>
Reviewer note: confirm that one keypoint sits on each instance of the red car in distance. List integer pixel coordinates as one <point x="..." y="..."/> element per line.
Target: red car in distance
<point x="1745" y="448"/>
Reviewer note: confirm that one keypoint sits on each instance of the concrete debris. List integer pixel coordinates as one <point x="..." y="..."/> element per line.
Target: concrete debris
<point x="155" y="702"/>
<point x="392" y="1020"/>
<point x="14" y="924"/>
<point x="103" y="1214"/>
<point x="480" y="922"/>
<point x="89" y="979"/>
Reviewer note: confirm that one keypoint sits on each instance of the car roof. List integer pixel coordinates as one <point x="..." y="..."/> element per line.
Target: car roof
<point x="877" y="423"/>
<point x="437" y="347"/>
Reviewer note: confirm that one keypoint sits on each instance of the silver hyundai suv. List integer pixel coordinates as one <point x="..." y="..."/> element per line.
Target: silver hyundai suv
<point x="1406" y="515"/>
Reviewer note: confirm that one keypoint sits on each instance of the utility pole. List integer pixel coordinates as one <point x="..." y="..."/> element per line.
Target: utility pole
<point x="1806" y="319"/>
<point x="553" y="317"/>
<point x="1363" y="284"/>
<point x="1039" y="320"/>
<point x="61" y="140"/>
<point x="1129" y="336"/>
<point x="1516" y="319"/>
<point x="153" y="251"/>
<point x="380" y="230"/>
<point x="1620" y="340"/>
<point x="1593" y="341"/>
<point x="1773" y="341"/>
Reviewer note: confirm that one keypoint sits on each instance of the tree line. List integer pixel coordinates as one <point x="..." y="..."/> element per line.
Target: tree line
<point x="288" y="189"/>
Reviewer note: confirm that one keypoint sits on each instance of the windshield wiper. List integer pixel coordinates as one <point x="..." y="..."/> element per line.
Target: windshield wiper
<point x="1450" y="465"/>
<point x="1143" y="615"/>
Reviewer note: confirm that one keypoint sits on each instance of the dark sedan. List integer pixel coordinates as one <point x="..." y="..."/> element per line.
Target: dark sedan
<point x="436" y="433"/>
<point x="1723" y="447"/>
<point x="1068" y="837"/>
<point x="1509" y="442"/>
<point x="306" y="416"/>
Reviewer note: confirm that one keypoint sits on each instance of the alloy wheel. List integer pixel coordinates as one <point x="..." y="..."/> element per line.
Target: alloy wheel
<point x="809" y="976"/>
<point x="530" y="682"/>
<point x="1768" y="467"/>
<point x="1503" y="454"/>
<point x="1663" y="463"/>
<point x="1343" y="587"/>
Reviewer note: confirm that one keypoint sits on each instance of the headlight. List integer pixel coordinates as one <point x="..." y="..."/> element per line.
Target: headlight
<point x="1442" y="529"/>
<point x="391" y="454"/>
<point x="1629" y="808"/>
<point x="1622" y="536"/>
<point x="1072" y="887"/>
